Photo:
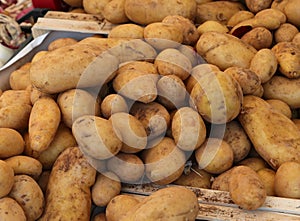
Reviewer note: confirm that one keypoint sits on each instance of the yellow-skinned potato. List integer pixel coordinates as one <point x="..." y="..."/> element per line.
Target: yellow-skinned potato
<point x="267" y="176"/>
<point x="100" y="217"/>
<point x="106" y="187"/>
<point x="246" y="189"/>
<point x="44" y="120"/>
<point x="281" y="106"/>
<point x="114" y="12"/>
<point x="113" y="103"/>
<point x="127" y="31"/>
<point x="68" y="195"/>
<point x="289" y="9"/>
<point x="19" y="79"/>
<point x="259" y="38"/>
<point x="258" y="5"/>
<point x="149" y="11"/>
<point x="29" y="195"/>
<point x="274" y="136"/>
<point x="212" y="26"/>
<point x="224" y="50"/>
<point x="255" y="163"/>
<point x="221" y="182"/>
<point x="61" y="42"/>
<point x="296" y="40"/>
<point x="35" y="94"/>
<point x="269" y="18"/>
<point x="259" y="92"/>
<point x="6" y="179"/>
<point x="94" y="6"/>
<point x="239" y="17"/>
<point x="286" y="32"/>
<point x="191" y="54"/>
<point x="10" y="97"/>
<point x="37" y="57"/>
<point x="11" y="210"/>
<point x="11" y="143"/>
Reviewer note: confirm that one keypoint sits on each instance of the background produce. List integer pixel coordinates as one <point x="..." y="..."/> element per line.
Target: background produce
<point x="209" y="84"/>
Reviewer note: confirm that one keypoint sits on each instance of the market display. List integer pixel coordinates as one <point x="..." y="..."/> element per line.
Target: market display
<point x="179" y="94"/>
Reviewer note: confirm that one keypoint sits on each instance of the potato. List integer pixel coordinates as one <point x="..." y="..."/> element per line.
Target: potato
<point x="258" y="5"/>
<point x="195" y="178"/>
<point x="15" y="116"/>
<point x="214" y="156"/>
<point x="274" y="136"/>
<point x="164" y="162"/>
<point x="189" y="30"/>
<point x="282" y="88"/>
<point x="163" y="35"/>
<point x="133" y="133"/>
<point x="74" y="3"/>
<point x="239" y="17"/>
<point x="113" y="103"/>
<point x="217" y="97"/>
<point x="11" y="210"/>
<point x="127" y="31"/>
<point x="224" y="50"/>
<point x="297" y="122"/>
<point x="176" y="203"/>
<point x="244" y="178"/>
<point x="259" y="92"/>
<point x="43" y="180"/>
<point x="264" y="64"/>
<point x="75" y="103"/>
<point x="289" y="9"/>
<point x="96" y="136"/>
<point x="94" y="6"/>
<point x="68" y="195"/>
<point x="100" y="217"/>
<point x="281" y="106"/>
<point x="43" y="123"/>
<point x="10" y="97"/>
<point x="61" y="42"/>
<point x="259" y="38"/>
<point x="221" y="182"/>
<point x="25" y="165"/>
<point x="255" y="163"/>
<point x="128" y="167"/>
<point x="19" y="79"/>
<point x="267" y="176"/>
<point x="149" y="11"/>
<point x="6" y="178"/>
<point x="286" y="32"/>
<point x="188" y="129"/>
<point x="212" y="26"/>
<point x="106" y="187"/>
<point x="37" y="57"/>
<point x="173" y="62"/>
<point x="29" y="195"/>
<point x="220" y="11"/>
<point x="35" y="94"/>
<point x="247" y="79"/>
<point x="11" y="143"/>
<point x="119" y="206"/>
<point x="286" y="182"/>
<point x="269" y="18"/>
<point x="154" y="117"/>
<point x="62" y="140"/>
<point x="191" y="54"/>
<point x="114" y="12"/>
<point x="288" y="57"/>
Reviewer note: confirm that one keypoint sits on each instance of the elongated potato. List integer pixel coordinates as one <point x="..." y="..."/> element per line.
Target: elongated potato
<point x="68" y="195"/>
<point x="43" y="123"/>
<point x="10" y="97"/>
<point x="275" y="137"/>
<point x="11" y="143"/>
<point x="127" y="31"/>
<point x="6" y="179"/>
<point x="11" y="210"/>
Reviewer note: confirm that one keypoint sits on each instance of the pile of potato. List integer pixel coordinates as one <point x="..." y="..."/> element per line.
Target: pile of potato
<point x="193" y="93"/>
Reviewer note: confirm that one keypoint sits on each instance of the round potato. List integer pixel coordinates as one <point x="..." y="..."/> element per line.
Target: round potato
<point x="286" y="32"/>
<point x="239" y="17"/>
<point x="296" y="40"/>
<point x="61" y="42"/>
<point x="281" y="106"/>
<point x="100" y="217"/>
<point x="114" y="12"/>
<point x="127" y="31"/>
<point x="258" y="5"/>
<point x="221" y="182"/>
<point x="259" y="38"/>
<point x="11" y="210"/>
<point x="11" y="143"/>
<point x="113" y="103"/>
<point x="255" y="163"/>
<point x="267" y="176"/>
<point x="94" y="6"/>
<point x="19" y="79"/>
<point x="6" y="178"/>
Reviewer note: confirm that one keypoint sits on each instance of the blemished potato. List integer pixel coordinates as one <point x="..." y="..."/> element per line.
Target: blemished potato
<point x="128" y="167"/>
<point x="286" y="182"/>
<point x="106" y="187"/>
<point x="163" y="35"/>
<point x="119" y="206"/>
<point x="255" y="163"/>
<point x="114" y="12"/>
<point x="6" y="178"/>
<point x="286" y="32"/>
<point x="264" y="64"/>
<point x="164" y="162"/>
<point x="96" y="136"/>
<point x="147" y="12"/>
<point x="246" y="189"/>
<point x="269" y="18"/>
<point x="225" y="50"/>
<point x="283" y="88"/>
<point x="288" y="57"/>
<point x="19" y="79"/>
<point x="44" y="120"/>
<point x="214" y="156"/>
<point x="221" y="182"/>
<point x="195" y="178"/>
<point x="61" y="42"/>
<point x="217" y="97"/>
<point x="179" y="203"/>
<point x="25" y="165"/>
<point x="239" y="17"/>
<point x="75" y="103"/>
<point x="11" y="210"/>
<point x="267" y="176"/>
<point x="296" y="40"/>
<point x="274" y="136"/>
<point x="29" y="195"/>
<point x="189" y="30"/>
<point x="258" y="5"/>
<point x="94" y="6"/>
<point x="133" y="133"/>
<point x="127" y="31"/>
<point x="188" y="129"/>
<point x="212" y="26"/>
<point x="220" y="11"/>
<point x="172" y="62"/>
<point x="68" y="195"/>
<point x="43" y="180"/>
<point x="11" y="143"/>
<point x="10" y="97"/>
<point x="248" y="79"/>
<point x="281" y="106"/>
<point x="259" y="38"/>
<point x="113" y="103"/>
<point x="62" y="140"/>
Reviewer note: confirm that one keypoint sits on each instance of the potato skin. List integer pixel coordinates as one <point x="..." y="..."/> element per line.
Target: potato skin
<point x="68" y="195"/>
<point x="267" y="176"/>
<point x="6" y="179"/>
<point x="114" y="12"/>
<point x="19" y="79"/>
<point x="61" y="42"/>
<point x="11" y="143"/>
<point x="113" y="103"/>
<point x="11" y="210"/>
<point x="127" y="31"/>
<point x="259" y="38"/>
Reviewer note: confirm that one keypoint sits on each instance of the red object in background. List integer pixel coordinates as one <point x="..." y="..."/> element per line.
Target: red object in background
<point x="57" y="5"/>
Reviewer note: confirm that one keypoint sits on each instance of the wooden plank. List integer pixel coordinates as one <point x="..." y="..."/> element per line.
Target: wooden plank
<point x="74" y="16"/>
